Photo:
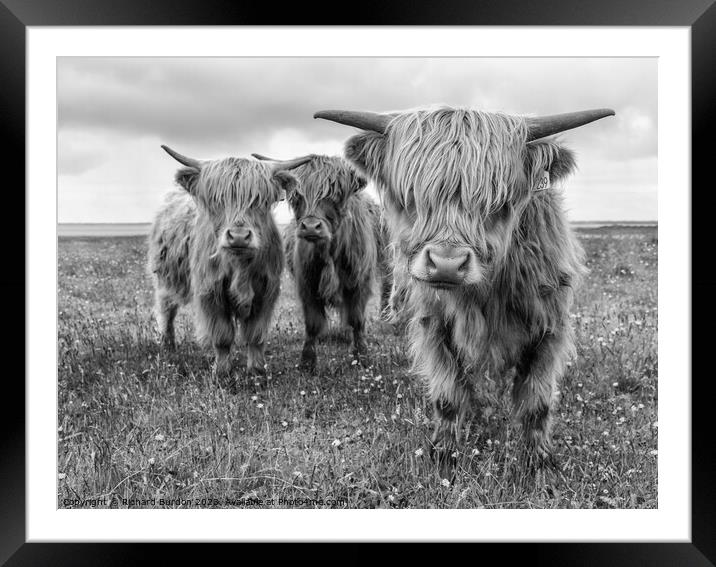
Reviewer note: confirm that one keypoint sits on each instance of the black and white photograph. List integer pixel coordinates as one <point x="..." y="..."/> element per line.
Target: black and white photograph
<point x="357" y="282"/>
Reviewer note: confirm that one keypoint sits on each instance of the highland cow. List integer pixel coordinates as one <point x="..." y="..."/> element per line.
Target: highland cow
<point x="488" y="260"/>
<point x="215" y="243"/>
<point x="335" y="248"/>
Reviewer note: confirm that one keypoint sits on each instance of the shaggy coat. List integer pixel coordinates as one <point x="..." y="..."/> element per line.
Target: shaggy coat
<point x="335" y="247"/>
<point x="455" y="177"/>
<point x="191" y="257"/>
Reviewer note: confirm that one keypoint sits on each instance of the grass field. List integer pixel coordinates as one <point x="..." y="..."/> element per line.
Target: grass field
<point x="144" y="428"/>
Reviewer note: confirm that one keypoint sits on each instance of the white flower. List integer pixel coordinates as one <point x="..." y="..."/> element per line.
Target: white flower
<point x="151" y="462"/>
<point x="61" y="476"/>
<point x="336" y="443"/>
<point x="302" y="392"/>
<point x="653" y="452"/>
<point x="284" y="423"/>
<point x="260" y="406"/>
<point x="419" y="452"/>
<point x="254" y="398"/>
<point x="475" y="452"/>
<point x="445" y="482"/>
<point x="159" y="437"/>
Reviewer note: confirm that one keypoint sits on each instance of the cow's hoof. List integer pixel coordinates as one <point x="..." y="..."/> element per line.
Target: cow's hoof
<point x="256" y="371"/>
<point x="445" y="457"/>
<point x="308" y="360"/>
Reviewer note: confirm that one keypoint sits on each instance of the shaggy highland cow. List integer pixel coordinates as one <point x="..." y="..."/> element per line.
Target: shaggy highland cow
<point x="215" y="243"/>
<point x="335" y="248"/>
<point x="488" y="259"/>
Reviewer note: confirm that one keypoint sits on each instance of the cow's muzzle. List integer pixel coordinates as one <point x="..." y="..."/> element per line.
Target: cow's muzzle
<point x="445" y="266"/>
<point x="238" y="239"/>
<point x="313" y="229"/>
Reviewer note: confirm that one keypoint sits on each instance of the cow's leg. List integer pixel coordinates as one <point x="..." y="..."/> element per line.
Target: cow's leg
<point x="165" y="309"/>
<point x="386" y="291"/>
<point x="533" y="393"/>
<point x="354" y="302"/>
<point x="255" y="331"/>
<point x="314" y="317"/>
<point x="215" y="325"/>
<point x="447" y="385"/>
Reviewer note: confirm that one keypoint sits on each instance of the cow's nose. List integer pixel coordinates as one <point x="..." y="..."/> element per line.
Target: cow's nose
<point x="311" y="225"/>
<point x="446" y="264"/>
<point x="238" y="237"/>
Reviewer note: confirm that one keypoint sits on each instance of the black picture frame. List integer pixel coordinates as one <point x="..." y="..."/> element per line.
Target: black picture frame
<point x="699" y="15"/>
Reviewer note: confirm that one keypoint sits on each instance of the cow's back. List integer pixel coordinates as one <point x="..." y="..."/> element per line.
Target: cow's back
<point x="170" y="242"/>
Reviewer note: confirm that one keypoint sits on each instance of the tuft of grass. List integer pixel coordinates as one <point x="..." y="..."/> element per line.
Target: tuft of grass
<point x="141" y="427"/>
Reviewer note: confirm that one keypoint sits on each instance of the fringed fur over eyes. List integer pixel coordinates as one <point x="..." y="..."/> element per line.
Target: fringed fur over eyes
<point x="326" y="177"/>
<point x="235" y="183"/>
<point x="454" y="168"/>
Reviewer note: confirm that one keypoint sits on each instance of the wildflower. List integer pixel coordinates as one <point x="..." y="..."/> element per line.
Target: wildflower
<point x="445" y="482"/>
<point x="254" y="398"/>
<point x="302" y="392"/>
<point x="605" y="433"/>
<point x="336" y="443"/>
<point x="260" y="406"/>
<point x="195" y="474"/>
<point x="653" y="452"/>
<point x="615" y="384"/>
<point x="61" y="476"/>
<point x="391" y="498"/>
<point x="159" y="437"/>
<point x="419" y="452"/>
<point x="475" y="452"/>
<point x="400" y="396"/>
<point x="151" y="461"/>
<point x="284" y="423"/>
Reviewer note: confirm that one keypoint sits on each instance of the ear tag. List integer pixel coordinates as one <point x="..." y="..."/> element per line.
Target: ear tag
<point x="543" y="182"/>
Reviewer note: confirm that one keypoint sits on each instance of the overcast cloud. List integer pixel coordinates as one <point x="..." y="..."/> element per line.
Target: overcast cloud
<point x="115" y="112"/>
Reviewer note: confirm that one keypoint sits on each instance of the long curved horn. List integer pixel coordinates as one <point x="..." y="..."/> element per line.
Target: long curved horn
<point x="286" y="164"/>
<point x="363" y="120"/>
<point x="189" y="162"/>
<point x="262" y="157"/>
<point x="542" y="126"/>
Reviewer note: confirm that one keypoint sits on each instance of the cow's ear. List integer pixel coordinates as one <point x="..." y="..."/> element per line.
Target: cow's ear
<point x="365" y="151"/>
<point x="187" y="178"/>
<point x="358" y="181"/>
<point x="549" y="156"/>
<point x="286" y="181"/>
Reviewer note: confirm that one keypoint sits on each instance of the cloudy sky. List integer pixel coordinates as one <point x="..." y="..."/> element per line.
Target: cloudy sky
<point x="113" y="113"/>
